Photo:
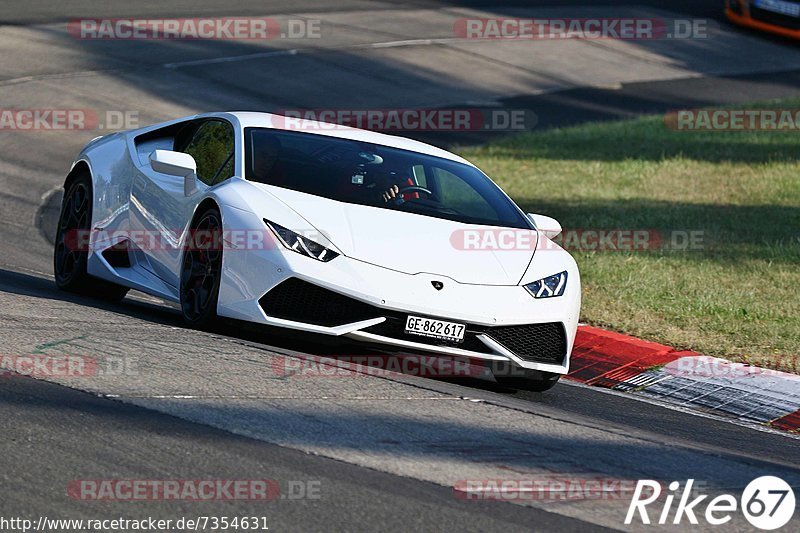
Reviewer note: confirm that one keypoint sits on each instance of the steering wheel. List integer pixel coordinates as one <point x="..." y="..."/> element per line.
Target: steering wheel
<point x="412" y="188"/>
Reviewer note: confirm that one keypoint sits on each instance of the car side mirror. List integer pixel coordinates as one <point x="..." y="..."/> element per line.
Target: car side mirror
<point x="547" y="225"/>
<point x="176" y="164"/>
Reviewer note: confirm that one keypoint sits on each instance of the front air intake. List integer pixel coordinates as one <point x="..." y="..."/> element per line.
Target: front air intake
<point x="300" y="301"/>
<point x="539" y="343"/>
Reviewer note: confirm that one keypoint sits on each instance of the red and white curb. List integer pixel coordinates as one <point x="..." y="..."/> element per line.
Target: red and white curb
<point x="688" y="379"/>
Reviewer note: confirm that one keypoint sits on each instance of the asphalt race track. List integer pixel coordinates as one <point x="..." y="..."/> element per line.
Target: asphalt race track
<point x="384" y="451"/>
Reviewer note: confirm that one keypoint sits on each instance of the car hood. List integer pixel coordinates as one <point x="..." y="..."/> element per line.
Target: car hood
<point x="410" y="243"/>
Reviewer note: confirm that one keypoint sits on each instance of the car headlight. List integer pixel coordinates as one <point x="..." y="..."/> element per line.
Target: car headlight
<point x="548" y="287"/>
<point x="301" y="245"/>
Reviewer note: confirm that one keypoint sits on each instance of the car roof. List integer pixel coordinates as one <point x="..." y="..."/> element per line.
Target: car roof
<point x="250" y="119"/>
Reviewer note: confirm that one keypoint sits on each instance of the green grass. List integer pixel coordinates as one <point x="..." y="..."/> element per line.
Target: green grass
<point x="739" y="296"/>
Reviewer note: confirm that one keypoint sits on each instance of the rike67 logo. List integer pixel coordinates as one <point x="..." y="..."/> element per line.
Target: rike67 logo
<point x="767" y="502"/>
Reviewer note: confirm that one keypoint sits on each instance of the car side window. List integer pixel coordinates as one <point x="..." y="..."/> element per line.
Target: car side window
<point x="212" y="148"/>
<point x="457" y="193"/>
<point x="420" y="178"/>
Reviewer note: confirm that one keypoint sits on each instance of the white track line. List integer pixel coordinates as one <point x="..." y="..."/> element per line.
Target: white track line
<point x="295" y="51"/>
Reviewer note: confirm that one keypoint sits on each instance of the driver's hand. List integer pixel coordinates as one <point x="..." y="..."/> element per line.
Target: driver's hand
<point x="391" y="193"/>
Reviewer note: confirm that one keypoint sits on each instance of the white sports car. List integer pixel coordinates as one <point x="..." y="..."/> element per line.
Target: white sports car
<point x="323" y="229"/>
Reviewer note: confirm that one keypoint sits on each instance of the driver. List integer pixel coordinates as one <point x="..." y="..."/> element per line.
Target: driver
<point x="382" y="188"/>
<point x="392" y="192"/>
<point x="353" y="185"/>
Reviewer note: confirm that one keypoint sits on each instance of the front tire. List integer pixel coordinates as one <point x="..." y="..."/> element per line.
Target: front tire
<point x="71" y="250"/>
<point x="201" y="270"/>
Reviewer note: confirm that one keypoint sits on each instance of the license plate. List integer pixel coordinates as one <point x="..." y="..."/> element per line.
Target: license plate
<point x="779" y="6"/>
<point x="437" y="329"/>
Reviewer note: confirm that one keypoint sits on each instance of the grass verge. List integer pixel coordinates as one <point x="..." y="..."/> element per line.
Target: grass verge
<point x="737" y="294"/>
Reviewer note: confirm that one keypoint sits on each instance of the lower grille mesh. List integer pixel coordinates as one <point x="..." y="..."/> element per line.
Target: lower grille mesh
<point x="542" y="343"/>
<point x="301" y="301"/>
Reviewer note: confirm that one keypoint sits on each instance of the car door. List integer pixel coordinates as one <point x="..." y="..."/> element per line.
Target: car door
<point x="160" y="207"/>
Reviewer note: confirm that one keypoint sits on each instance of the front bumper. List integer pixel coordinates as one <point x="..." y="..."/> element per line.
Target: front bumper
<point x="492" y="351"/>
<point x="376" y="301"/>
<point x="301" y="305"/>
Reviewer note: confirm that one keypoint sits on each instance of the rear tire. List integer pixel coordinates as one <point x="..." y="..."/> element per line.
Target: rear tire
<point x="512" y="376"/>
<point x="71" y="250"/>
<point x="201" y="270"/>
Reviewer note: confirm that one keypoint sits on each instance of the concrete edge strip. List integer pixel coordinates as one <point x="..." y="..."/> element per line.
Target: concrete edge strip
<point x="748" y="393"/>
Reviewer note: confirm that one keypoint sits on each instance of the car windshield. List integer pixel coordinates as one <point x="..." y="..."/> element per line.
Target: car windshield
<point x="367" y="174"/>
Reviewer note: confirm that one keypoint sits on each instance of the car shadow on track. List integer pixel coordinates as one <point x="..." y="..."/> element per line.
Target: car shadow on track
<point x="267" y="337"/>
